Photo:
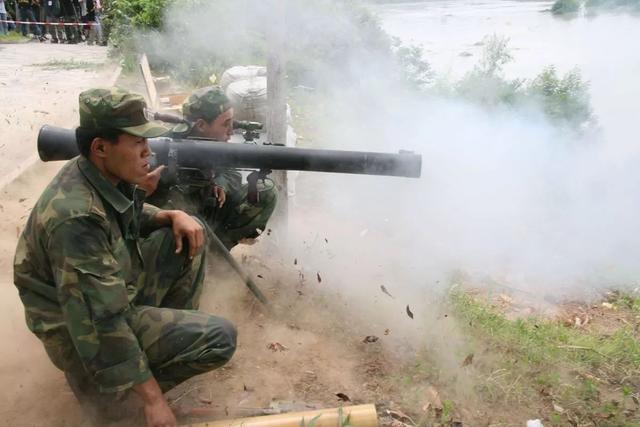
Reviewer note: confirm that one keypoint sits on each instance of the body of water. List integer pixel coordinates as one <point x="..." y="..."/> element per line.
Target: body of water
<point x="606" y="47"/>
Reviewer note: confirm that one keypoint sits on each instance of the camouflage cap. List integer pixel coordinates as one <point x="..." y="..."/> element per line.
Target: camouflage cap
<point x="205" y="103"/>
<point x="117" y="108"/>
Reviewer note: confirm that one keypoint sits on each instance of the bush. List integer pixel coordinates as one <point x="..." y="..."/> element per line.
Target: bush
<point x="621" y="5"/>
<point x="564" y="100"/>
<point x="124" y="20"/>
<point x="415" y="70"/>
<point x="486" y="84"/>
<point x="561" y="7"/>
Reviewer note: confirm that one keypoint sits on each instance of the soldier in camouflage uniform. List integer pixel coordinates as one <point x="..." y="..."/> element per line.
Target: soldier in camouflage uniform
<point x="223" y="204"/>
<point x="111" y="285"/>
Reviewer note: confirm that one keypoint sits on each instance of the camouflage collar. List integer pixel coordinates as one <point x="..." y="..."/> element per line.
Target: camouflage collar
<point x="107" y="190"/>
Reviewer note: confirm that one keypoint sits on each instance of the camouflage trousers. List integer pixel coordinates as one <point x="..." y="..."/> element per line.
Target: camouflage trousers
<point x="179" y="341"/>
<point x="239" y="219"/>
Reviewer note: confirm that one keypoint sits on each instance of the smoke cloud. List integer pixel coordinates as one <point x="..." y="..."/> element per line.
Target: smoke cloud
<point x="504" y="194"/>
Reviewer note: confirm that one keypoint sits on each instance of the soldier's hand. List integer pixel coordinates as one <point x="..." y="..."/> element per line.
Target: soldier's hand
<point x="220" y="195"/>
<point x="159" y="414"/>
<point x="156" y="409"/>
<point x="150" y="182"/>
<point x="184" y="226"/>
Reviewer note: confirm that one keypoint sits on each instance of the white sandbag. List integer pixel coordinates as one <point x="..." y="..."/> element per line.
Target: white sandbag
<point x="249" y="99"/>
<point x="241" y="72"/>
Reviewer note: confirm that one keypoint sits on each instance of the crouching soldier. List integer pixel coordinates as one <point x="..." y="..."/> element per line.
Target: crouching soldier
<point x="223" y="202"/>
<point x="111" y="285"/>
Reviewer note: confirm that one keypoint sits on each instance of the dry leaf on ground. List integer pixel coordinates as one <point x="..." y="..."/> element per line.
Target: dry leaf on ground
<point x="343" y="397"/>
<point x="409" y="313"/>
<point x="385" y="291"/>
<point x="276" y="346"/>
<point x="400" y="416"/>
<point x="468" y="360"/>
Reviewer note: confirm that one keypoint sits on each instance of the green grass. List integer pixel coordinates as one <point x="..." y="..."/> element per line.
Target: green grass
<point x="13" y="37"/>
<point x="69" y="64"/>
<point x="587" y="375"/>
<point x="625" y="300"/>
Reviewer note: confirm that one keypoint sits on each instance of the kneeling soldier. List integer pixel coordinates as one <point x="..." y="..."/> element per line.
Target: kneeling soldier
<point x="111" y="285"/>
<point x="223" y="203"/>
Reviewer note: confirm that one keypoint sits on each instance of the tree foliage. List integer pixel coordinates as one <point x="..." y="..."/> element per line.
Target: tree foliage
<point x="563" y="99"/>
<point x="561" y="7"/>
<point x="328" y="42"/>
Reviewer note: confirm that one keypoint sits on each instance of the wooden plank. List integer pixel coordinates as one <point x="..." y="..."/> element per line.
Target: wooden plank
<point x="277" y="101"/>
<point x="152" y="92"/>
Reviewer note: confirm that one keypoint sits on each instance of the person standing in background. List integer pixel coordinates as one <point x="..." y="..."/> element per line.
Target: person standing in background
<point x="3" y="17"/>
<point x="26" y="15"/>
<point x="52" y="15"/>
<point x="37" y="14"/>
<point x="68" y="13"/>
<point x="89" y="18"/>
<point x="98" y="12"/>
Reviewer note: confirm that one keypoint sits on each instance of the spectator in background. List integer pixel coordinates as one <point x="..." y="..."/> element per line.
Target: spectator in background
<point x="35" y="8"/>
<point x="68" y="12"/>
<point x="81" y="13"/>
<point x="26" y="15"/>
<point x="52" y="15"/>
<point x="3" y="17"/>
<point x="98" y="10"/>
<point x="89" y="18"/>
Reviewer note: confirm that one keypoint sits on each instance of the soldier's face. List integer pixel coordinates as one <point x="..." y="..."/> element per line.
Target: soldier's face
<point x="219" y="129"/>
<point x="128" y="159"/>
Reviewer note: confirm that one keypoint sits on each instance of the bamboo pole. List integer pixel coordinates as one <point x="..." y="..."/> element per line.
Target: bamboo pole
<point x="358" y="416"/>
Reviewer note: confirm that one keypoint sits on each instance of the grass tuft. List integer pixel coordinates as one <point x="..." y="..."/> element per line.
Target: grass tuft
<point x="69" y="64"/>
<point x="13" y="37"/>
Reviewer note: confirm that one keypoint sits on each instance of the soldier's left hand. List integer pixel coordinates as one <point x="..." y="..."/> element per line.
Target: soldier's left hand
<point x="185" y="226"/>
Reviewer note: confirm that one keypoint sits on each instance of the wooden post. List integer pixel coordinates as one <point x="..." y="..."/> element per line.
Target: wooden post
<point x="277" y="97"/>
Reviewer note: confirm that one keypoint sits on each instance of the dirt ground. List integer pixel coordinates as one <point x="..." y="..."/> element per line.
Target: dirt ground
<point x="39" y="84"/>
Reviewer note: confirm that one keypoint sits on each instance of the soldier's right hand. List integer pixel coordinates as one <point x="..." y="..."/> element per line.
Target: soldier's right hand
<point x="150" y="183"/>
<point x="220" y="195"/>
<point x="159" y="414"/>
<point x="185" y="227"/>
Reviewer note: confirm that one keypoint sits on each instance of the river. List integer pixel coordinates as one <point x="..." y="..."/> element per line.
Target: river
<point x="605" y="47"/>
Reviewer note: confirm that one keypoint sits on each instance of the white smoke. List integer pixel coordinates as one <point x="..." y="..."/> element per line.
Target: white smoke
<point x="504" y="194"/>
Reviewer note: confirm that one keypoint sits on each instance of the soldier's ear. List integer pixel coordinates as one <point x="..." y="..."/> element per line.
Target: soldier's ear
<point x="98" y="147"/>
<point x="200" y="124"/>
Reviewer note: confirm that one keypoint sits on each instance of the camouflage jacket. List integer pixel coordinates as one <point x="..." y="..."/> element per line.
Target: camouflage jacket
<point x="76" y="266"/>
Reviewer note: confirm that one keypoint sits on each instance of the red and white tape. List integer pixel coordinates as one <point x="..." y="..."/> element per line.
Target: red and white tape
<point x="56" y="24"/>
